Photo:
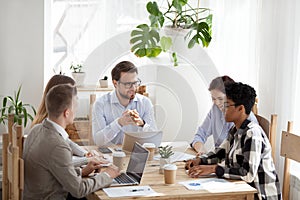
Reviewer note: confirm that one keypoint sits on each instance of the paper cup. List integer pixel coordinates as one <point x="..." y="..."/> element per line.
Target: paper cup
<point x="151" y="148"/>
<point x="119" y="159"/>
<point x="170" y="173"/>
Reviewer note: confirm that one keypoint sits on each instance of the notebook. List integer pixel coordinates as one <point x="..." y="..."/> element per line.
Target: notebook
<point x="141" y="137"/>
<point x="135" y="168"/>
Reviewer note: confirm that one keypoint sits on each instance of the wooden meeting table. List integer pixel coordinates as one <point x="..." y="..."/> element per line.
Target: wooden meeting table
<point x="155" y="180"/>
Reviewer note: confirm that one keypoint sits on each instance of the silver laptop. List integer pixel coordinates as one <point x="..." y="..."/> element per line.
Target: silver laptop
<point x="141" y="137"/>
<point x="135" y="168"/>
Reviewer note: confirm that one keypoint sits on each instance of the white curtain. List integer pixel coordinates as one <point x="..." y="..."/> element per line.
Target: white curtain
<point x="234" y="45"/>
<point x="258" y="42"/>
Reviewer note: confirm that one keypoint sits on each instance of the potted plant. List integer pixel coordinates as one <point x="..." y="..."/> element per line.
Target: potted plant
<point x="15" y="105"/>
<point x="149" y="40"/>
<point x="78" y="74"/>
<point x="103" y="82"/>
<point x="165" y="154"/>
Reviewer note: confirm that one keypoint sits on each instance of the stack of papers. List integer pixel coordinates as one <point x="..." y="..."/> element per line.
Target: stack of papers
<point x="130" y="191"/>
<point x="209" y="184"/>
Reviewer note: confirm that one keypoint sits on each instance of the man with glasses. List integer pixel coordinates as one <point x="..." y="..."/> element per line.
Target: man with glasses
<point x="246" y="153"/>
<point x="122" y="109"/>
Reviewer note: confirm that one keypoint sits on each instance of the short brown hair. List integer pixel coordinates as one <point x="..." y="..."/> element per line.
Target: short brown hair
<point x="124" y="66"/>
<point x="55" y="80"/>
<point x="59" y="98"/>
<point x="220" y="82"/>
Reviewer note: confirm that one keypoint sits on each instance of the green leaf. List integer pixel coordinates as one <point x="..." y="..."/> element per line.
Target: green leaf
<point x="25" y="114"/>
<point x="4" y="105"/>
<point x="175" y="59"/>
<point x="152" y="8"/>
<point x="145" y="41"/>
<point x="157" y="21"/>
<point x="202" y="33"/>
<point x="18" y="94"/>
<point x="156" y="16"/>
<point x="177" y="4"/>
<point x="166" y="43"/>
<point x="153" y="52"/>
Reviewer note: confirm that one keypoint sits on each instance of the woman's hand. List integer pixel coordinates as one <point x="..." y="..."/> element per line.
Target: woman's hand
<point x="199" y="148"/>
<point x="191" y="163"/>
<point x="200" y="170"/>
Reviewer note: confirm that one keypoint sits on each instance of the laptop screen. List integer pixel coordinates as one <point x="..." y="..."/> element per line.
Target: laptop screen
<point x="137" y="162"/>
<point x="141" y="137"/>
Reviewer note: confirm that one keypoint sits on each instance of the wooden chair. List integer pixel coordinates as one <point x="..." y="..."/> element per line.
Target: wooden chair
<point x="254" y="108"/>
<point x="290" y="145"/>
<point x="12" y="162"/>
<point x="269" y="128"/>
<point x="92" y="101"/>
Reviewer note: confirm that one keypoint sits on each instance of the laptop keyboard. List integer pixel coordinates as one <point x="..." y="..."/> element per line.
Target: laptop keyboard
<point x="123" y="178"/>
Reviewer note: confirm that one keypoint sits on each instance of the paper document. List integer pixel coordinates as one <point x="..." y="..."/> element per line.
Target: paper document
<point x="178" y="156"/>
<point x="177" y="146"/>
<point x="210" y="184"/>
<point x="130" y="191"/>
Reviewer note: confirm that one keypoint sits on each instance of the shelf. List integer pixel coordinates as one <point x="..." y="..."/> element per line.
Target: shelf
<point x="93" y="88"/>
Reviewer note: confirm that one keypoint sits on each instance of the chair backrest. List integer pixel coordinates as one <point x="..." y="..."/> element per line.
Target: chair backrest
<point x="290" y="144"/>
<point x="92" y="101"/>
<point x="269" y="128"/>
<point x="254" y="108"/>
<point x="12" y="162"/>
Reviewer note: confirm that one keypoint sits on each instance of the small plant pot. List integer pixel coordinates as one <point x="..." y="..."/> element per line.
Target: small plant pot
<point x="103" y="83"/>
<point x="79" y="78"/>
<point x="162" y="162"/>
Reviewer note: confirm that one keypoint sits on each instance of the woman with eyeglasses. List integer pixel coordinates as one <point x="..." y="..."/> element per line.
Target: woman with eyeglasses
<point x="122" y="109"/>
<point x="214" y="124"/>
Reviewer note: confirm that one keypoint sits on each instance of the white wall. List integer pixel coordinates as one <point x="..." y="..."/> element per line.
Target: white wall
<point x="22" y="49"/>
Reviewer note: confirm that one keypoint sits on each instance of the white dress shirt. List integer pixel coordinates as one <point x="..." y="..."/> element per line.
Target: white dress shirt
<point x="106" y="112"/>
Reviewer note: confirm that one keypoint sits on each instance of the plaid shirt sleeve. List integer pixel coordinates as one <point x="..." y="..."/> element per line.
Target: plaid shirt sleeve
<point x="249" y="158"/>
<point x="247" y="149"/>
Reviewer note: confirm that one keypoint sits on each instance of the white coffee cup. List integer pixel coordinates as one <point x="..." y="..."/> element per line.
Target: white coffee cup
<point x="170" y="173"/>
<point x="151" y="148"/>
<point x="119" y="159"/>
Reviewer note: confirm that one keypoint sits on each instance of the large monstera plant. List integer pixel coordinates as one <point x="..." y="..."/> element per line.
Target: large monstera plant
<point x="148" y="40"/>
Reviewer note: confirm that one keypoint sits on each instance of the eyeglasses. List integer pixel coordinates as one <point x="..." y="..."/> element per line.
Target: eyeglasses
<point x="129" y="85"/>
<point x="226" y="105"/>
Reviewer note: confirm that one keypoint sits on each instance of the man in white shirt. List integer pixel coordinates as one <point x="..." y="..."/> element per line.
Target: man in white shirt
<point x="49" y="171"/>
<point x="122" y="109"/>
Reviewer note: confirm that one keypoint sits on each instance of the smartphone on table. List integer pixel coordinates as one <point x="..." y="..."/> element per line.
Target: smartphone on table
<point x="104" y="150"/>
